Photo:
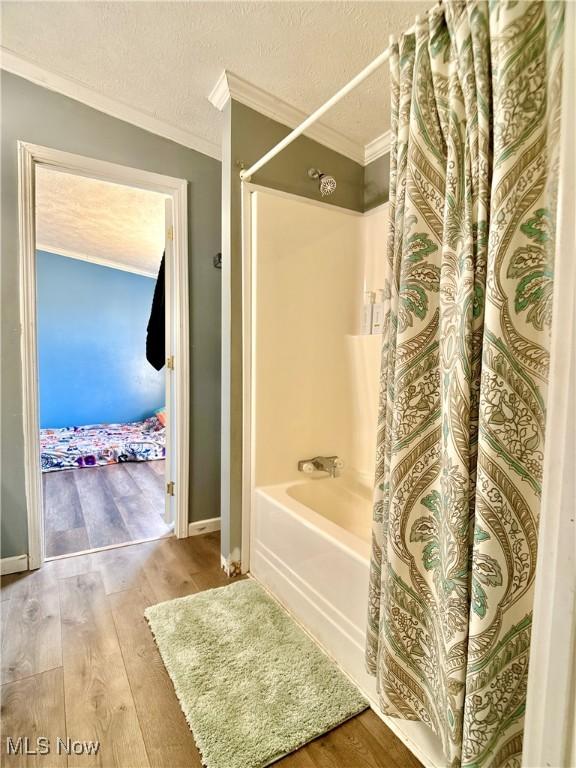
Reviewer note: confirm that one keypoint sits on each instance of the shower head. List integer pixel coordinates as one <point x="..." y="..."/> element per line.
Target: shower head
<point x="326" y="183"/>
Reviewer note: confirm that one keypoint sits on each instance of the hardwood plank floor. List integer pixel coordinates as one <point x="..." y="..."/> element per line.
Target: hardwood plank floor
<point x="32" y="643"/>
<point x="97" y="695"/>
<point x="120" y="481"/>
<point x="65" y="527"/>
<point x="110" y="683"/>
<point x="103" y="521"/>
<point x="169" y="569"/>
<point x="151" y="685"/>
<point x="66" y="542"/>
<point x="34" y="707"/>
<point x="149" y="481"/>
<point x="62" y="509"/>
<point x="101" y="506"/>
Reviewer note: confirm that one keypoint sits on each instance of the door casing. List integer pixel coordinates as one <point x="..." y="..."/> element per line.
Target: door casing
<point x="177" y="311"/>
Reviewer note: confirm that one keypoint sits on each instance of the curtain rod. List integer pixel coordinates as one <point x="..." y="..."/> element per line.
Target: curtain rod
<point x="245" y="175"/>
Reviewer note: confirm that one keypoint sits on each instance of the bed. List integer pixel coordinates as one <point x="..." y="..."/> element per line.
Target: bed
<point x="98" y="444"/>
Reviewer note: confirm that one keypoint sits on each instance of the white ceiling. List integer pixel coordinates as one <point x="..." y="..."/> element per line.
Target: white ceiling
<point x="164" y="58"/>
<point x="99" y="221"/>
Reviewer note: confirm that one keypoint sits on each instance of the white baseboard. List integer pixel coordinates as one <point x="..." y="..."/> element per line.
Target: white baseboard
<point x="230" y="566"/>
<point x="204" y="526"/>
<point x="13" y="564"/>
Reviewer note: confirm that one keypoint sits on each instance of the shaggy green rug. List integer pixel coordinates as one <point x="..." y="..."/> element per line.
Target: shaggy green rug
<point x="252" y="684"/>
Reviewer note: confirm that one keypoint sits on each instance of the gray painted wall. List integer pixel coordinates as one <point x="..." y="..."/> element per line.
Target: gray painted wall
<point x="254" y="134"/>
<point x="247" y="136"/>
<point x="39" y="116"/>
<point x="376" y="182"/>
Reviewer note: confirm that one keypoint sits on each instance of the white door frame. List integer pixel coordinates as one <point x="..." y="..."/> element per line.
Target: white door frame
<point x="550" y="722"/>
<point x="248" y="378"/>
<point x="30" y="156"/>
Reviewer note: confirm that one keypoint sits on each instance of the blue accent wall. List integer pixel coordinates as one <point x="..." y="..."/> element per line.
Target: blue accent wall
<point x="92" y="344"/>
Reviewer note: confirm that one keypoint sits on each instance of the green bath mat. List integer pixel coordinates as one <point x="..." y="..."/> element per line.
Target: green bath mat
<point x="252" y="684"/>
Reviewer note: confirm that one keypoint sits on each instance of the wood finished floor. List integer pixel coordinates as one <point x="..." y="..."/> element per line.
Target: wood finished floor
<point x="98" y="507"/>
<point x="79" y="661"/>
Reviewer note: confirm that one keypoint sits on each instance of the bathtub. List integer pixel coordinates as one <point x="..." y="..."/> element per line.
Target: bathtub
<point x="310" y="546"/>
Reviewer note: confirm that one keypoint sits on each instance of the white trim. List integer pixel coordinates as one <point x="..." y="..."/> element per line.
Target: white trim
<point x="70" y="254"/>
<point x="181" y="346"/>
<point x="227" y="86"/>
<point x="230" y="86"/>
<point x="18" y="65"/>
<point x="226" y="339"/>
<point x="79" y="165"/>
<point x="13" y="564"/>
<point x="204" y="526"/>
<point x="550" y="724"/>
<point x="170" y="469"/>
<point x="378" y="147"/>
<point x="30" y="400"/>
<point x="109" y="546"/>
<point x="29" y="156"/>
<point x="230" y="565"/>
<point x="248" y="378"/>
<point x="308" y="200"/>
<point x="309" y="124"/>
<point x="220" y="94"/>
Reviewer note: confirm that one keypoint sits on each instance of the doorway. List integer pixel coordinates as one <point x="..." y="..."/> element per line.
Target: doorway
<point x="106" y="429"/>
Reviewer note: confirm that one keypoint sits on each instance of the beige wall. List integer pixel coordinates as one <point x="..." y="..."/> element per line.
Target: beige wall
<point x="374" y="236"/>
<point x="316" y="376"/>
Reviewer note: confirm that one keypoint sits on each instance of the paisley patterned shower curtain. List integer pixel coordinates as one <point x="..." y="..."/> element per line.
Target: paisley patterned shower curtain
<point x="475" y="123"/>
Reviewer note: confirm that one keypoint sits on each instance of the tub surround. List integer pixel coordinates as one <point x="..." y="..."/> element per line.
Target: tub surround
<point x="315" y="375"/>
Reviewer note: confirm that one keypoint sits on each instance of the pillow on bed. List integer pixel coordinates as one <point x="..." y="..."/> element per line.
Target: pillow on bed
<point x="160" y="414"/>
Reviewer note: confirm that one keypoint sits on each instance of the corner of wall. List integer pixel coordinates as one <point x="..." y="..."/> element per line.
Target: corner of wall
<point x="376" y="182"/>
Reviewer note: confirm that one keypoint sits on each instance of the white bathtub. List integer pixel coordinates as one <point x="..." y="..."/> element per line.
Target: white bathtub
<point x="311" y="548"/>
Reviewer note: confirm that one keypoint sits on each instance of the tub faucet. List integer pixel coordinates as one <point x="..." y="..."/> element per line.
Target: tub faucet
<point x="322" y="463"/>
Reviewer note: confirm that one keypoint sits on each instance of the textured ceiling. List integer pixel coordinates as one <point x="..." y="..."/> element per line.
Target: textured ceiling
<point x="98" y="220"/>
<point x="165" y="57"/>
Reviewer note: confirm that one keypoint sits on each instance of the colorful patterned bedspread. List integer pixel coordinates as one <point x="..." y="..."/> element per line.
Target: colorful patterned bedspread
<point x="97" y="444"/>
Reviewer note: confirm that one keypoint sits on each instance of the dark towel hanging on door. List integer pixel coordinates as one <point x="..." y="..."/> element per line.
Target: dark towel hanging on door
<point x="155" y="336"/>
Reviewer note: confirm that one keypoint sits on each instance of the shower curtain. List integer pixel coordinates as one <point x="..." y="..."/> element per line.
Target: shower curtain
<point x="475" y="124"/>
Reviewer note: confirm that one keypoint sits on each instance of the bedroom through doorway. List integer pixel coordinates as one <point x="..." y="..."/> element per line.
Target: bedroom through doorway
<point x="100" y="326"/>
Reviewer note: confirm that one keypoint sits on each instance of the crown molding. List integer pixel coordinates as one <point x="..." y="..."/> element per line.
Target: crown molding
<point x="18" y="65"/>
<point x="227" y="86"/>
<point x="101" y="262"/>
<point x="231" y="86"/>
<point x="378" y="147"/>
<point x="220" y="94"/>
